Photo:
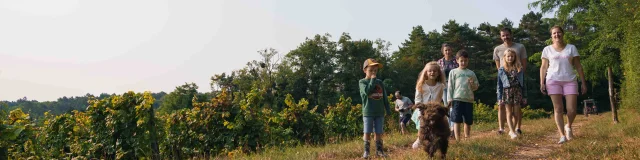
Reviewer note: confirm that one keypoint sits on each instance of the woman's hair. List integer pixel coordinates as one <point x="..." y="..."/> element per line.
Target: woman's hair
<point x="556" y="27"/>
<point x="517" y="66"/>
<point x="443" y="46"/>
<point x="423" y="77"/>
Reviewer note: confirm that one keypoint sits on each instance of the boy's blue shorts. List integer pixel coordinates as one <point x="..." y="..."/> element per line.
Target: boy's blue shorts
<point x="462" y="112"/>
<point x="373" y="122"/>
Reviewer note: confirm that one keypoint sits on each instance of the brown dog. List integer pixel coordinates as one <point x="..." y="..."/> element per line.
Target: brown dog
<point x="434" y="128"/>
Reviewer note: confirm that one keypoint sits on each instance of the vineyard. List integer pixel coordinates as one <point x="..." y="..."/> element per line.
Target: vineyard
<point x="125" y="127"/>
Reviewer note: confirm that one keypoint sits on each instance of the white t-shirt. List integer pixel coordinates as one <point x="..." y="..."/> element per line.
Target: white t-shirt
<point x="404" y="103"/>
<point x="560" y="67"/>
<point x="498" y="52"/>
<point x="429" y="93"/>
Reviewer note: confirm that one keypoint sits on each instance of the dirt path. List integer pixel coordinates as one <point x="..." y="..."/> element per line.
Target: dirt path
<point x="403" y="150"/>
<point x="539" y="147"/>
<point x="542" y="147"/>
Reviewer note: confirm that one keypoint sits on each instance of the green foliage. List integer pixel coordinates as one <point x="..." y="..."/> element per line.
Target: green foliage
<point x="483" y="113"/>
<point x="66" y="133"/>
<point x="180" y="98"/>
<point x="343" y="121"/>
<point x="313" y="70"/>
<point x="306" y="123"/>
<point x="20" y="139"/>
<point x="62" y="105"/>
<point x="528" y="113"/>
<point x="200" y="130"/>
<point x="410" y="59"/>
<point x="120" y="126"/>
<point x="391" y="121"/>
<point x="348" y="64"/>
<point x="630" y="59"/>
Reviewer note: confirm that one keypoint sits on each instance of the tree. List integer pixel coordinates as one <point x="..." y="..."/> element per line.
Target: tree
<point x="180" y="98"/>
<point x="348" y="68"/>
<point x="409" y="60"/>
<point x="601" y="29"/>
<point x="313" y="70"/>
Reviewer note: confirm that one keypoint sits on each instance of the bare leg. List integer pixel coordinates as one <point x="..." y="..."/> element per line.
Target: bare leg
<point x="467" y="131"/>
<point x="518" y="115"/>
<point x="402" y="128"/>
<point x="518" y="110"/>
<point x="572" y="101"/>
<point x="366" y="137"/>
<point x="502" y="116"/>
<point x="558" y="112"/>
<point x="416" y="144"/>
<point x="378" y="136"/>
<point x="510" y="122"/>
<point x="456" y="130"/>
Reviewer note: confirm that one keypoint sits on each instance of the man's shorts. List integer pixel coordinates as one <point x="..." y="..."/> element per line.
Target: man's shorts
<point x="405" y="119"/>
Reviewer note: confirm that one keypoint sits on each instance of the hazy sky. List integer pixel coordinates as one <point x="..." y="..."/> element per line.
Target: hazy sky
<point x="50" y="49"/>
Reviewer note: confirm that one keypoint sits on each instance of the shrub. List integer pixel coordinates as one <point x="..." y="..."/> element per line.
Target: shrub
<point x="343" y="121"/>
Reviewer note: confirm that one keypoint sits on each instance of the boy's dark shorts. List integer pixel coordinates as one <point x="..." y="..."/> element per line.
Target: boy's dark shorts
<point x="405" y="119"/>
<point x="462" y="112"/>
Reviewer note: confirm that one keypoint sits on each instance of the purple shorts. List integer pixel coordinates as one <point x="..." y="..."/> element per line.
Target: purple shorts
<point x="562" y="87"/>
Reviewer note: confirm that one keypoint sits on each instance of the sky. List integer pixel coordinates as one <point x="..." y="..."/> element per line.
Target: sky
<point x="50" y="49"/>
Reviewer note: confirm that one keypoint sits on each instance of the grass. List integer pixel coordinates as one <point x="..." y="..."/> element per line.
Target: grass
<point x="596" y="138"/>
<point x="600" y="139"/>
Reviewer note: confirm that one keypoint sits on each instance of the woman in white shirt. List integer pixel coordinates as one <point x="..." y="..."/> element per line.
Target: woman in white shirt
<point x="558" y="78"/>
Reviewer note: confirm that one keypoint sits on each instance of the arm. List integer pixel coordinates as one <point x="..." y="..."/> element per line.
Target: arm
<point x="450" y="89"/>
<point x="499" y="87"/>
<point x="397" y="106"/>
<point x="496" y="58"/>
<point x="439" y="97"/>
<point x="418" y="97"/>
<point x="387" y="106"/>
<point x="410" y="103"/>
<point x="476" y="84"/>
<point x="365" y="88"/>
<point x="523" y="60"/>
<point x="576" y="62"/>
<point x="543" y="74"/>
<point x="524" y="88"/>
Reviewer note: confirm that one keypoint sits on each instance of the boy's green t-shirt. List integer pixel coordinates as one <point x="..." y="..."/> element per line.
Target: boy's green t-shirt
<point x="374" y="101"/>
<point x="458" y="86"/>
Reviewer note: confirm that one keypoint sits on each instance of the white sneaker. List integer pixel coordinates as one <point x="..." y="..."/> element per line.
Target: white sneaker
<point x="562" y="140"/>
<point x="568" y="132"/>
<point x="513" y="135"/>
<point x="416" y="144"/>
